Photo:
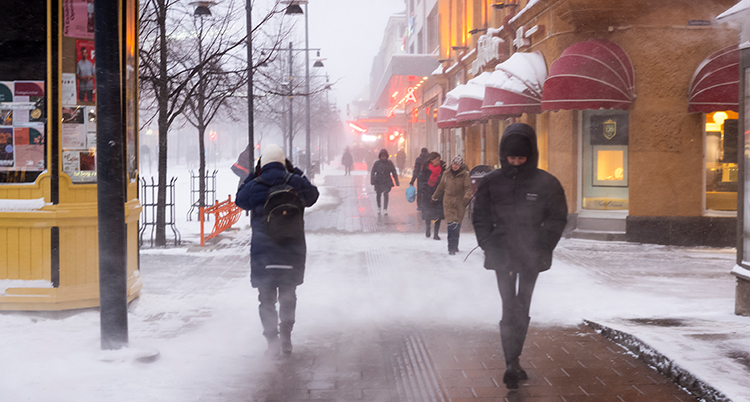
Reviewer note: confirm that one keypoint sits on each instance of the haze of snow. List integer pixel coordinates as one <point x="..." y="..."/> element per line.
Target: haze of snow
<point x="206" y="328"/>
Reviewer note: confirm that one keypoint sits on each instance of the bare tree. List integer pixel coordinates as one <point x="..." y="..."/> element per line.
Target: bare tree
<point x="166" y="73"/>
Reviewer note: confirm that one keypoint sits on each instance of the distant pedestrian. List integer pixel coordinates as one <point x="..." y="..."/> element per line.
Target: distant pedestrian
<point x="429" y="178"/>
<point x="418" y="163"/>
<point x="380" y="176"/>
<point x="455" y="188"/>
<point x="401" y="160"/>
<point x="242" y="167"/>
<point x="519" y="215"/>
<point x="347" y="160"/>
<point x="277" y="268"/>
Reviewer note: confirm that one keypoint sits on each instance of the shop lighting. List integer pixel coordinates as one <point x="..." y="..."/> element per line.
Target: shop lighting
<point x="369" y="138"/>
<point x="719" y="117"/>
<point x="357" y="128"/>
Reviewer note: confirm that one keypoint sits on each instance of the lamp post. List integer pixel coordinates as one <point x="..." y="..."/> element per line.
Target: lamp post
<point x="250" y="109"/>
<point x="294" y="8"/>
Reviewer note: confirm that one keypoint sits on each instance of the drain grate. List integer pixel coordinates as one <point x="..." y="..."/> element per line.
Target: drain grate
<point x="413" y="371"/>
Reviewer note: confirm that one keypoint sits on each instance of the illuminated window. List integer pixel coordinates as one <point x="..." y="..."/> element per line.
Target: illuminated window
<point x="610" y="166"/>
<point x="721" y="160"/>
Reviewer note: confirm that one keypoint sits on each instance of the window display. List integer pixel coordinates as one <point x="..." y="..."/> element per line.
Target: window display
<point x="721" y="161"/>
<point x="605" y="160"/>
<point x="22" y="93"/>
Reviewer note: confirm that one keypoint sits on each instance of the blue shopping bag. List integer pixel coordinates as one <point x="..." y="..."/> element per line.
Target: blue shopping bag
<point x="411" y="193"/>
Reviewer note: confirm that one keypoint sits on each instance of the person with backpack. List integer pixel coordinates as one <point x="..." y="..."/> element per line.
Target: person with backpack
<point x="380" y="177"/>
<point x="519" y="214"/>
<point x="276" y="194"/>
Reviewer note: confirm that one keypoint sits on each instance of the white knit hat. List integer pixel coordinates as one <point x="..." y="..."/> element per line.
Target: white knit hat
<point x="272" y="153"/>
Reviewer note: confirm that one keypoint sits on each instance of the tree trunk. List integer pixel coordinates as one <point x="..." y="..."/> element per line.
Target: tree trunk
<point x="163" y="95"/>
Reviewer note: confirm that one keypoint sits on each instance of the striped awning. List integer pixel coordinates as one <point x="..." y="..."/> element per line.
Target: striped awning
<point x="515" y="86"/>
<point x="715" y="85"/>
<point x="595" y="74"/>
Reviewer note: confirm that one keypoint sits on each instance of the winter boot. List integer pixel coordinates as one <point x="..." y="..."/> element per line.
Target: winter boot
<point x="437" y="228"/>
<point x="512" y="344"/>
<point x="274" y="347"/>
<point x="286" y="342"/>
<point x="427" y="229"/>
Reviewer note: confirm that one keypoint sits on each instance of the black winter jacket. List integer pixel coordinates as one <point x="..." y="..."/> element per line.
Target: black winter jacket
<point x="519" y="212"/>
<point x="272" y="263"/>
<point x="430" y="210"/>
<point x="381" y="172"/>
<point x="418" y="163"/>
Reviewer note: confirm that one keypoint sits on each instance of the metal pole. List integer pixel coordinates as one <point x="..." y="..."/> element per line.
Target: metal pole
<point x="110" y="189"/>
<point x="250" y="111"/>
<point x="291" y="107"/>
<point x="307" y="98"/>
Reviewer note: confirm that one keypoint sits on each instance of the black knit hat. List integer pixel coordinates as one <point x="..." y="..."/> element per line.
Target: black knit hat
<point x="517" y="145"/>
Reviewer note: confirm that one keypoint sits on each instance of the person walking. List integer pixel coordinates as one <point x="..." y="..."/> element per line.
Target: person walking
<point x="418" y="163"/>
<point x="347" y="160"/>
<point x="429" y="178"/>
<point x="380" y="177"/>
<point x="277" y="268"/>
<point x="519" y="214"/>
<point x="455" y="188"/>
<point x="401" y="160"/>
<point x="242" y="167"/>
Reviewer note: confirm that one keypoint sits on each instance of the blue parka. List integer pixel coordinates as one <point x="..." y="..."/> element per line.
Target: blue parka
<point x="272" y="263"/>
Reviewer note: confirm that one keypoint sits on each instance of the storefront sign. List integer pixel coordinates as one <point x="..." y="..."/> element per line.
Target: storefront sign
<point x="489" y="49"/>
<point x="609" y="130"/>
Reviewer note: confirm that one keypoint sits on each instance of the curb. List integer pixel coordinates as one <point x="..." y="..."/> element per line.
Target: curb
<point x="663" y="364"/>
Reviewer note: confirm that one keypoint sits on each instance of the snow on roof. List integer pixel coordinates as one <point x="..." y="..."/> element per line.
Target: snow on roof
<point x="475" y="87"/>
<point x="741" y="6"/>
<point x="21" y="205"/>
<point x="520" y="72"/>
<point x="439" y="70"/>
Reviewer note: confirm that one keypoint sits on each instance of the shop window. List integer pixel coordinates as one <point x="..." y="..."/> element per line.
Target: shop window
<point x="721" y="161"/>
<point x="605" y="160"/>
<point x="23" y="117"/>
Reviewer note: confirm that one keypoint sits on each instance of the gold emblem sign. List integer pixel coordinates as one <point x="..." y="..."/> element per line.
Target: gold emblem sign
<point x="610" y="129"/>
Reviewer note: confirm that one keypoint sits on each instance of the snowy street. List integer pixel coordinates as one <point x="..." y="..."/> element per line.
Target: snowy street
<point x="386" y="314"/>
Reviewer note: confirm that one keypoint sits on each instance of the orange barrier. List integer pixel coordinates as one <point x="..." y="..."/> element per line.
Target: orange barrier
<point x="226" y="214"/>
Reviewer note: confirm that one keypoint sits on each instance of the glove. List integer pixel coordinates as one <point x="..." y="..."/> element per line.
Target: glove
<point x="433" y="201"/>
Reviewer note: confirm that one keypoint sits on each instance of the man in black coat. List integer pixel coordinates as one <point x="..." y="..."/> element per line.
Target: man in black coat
<point x="276" y="268"/>
<point x="418" y="163"/>
<point x="519" y="215"/>
<point x="382" y="176"/>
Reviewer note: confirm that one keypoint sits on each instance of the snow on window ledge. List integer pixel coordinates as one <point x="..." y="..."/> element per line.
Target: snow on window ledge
<point x="741" y="272"/>
<point x="20" y="283"/>
<point x="21" y="205"/>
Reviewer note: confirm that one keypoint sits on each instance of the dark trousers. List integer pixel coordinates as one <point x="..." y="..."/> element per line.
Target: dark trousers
<point x="454" y="230"/>
<point x="287" y="298"/>
<point x="515" y="290"/>
<point x="385" y="198"/>
<point x="347" y="169"/>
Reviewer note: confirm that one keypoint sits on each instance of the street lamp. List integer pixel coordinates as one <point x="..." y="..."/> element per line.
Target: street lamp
<point x="294" y="8"/>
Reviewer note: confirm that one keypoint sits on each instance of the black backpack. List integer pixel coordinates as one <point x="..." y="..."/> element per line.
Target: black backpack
<point x="283" y="211"/>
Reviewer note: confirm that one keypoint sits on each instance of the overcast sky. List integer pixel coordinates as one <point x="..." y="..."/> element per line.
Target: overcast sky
<point x="349" y="32"/>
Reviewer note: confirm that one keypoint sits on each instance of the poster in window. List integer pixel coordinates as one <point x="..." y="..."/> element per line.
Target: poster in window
<point x="68" y="89"/>
<point x="6" y="101"/>
<point x="90" y="116"/>
<point x="71" y="162"/>
<point x="85" y="71"/>
<point x="6" y="147"/>
<point x="73" y="127"/>
<point x="78" y="18"/>
<point x="28" y="97"/>
<point x="29" y="147"/>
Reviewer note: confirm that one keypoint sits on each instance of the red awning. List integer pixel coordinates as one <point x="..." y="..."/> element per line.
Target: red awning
<point x="716" y="83"/>
<point x="595" y="74"/>
<point x="471" y="98"/>
<point x="446" y="117"/>
<point x="515" y="87"/>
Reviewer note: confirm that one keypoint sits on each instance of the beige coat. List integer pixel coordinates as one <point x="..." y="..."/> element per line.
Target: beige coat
<point x="456" y="192"/>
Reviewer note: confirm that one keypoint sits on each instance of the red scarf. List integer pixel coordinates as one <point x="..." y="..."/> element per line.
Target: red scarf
<point x="434" y="174"/>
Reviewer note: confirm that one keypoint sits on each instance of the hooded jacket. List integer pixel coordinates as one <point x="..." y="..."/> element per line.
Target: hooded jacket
<point x="519" y="212"/>
<point x="272" y="263"/>
<point x="456" y="192"/>
<point x="418" y="163"/>
<point x="381" y="172"/>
